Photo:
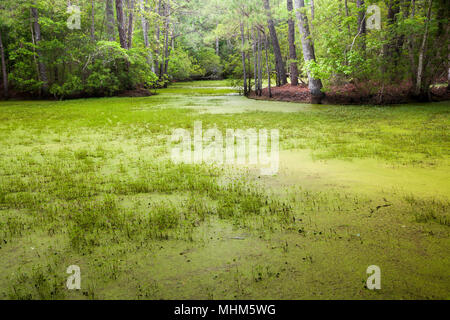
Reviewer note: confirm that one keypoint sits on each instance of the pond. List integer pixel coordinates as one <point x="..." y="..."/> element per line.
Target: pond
<point x="91" y="183"/>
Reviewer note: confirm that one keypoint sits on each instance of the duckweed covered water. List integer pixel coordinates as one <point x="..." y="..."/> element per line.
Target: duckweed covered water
<point x="90" y="183"/>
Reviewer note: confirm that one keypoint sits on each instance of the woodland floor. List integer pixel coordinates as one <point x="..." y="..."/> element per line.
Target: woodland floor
<point x="90" y="182"/>
<point x="351" y="94"/>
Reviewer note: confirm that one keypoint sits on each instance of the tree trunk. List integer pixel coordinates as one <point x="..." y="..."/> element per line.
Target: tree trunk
<point x="249" y="78"/>
<point x="421" y="88"/>
<point x="110" y="20"/>
<point x="443" y="33"/>
<point x="281" y="72"/>
<point x="448" y="75"/>
<point x="166" y="37"/>
<point x="130" y="24"/>
<point x="411" y="47"/>
<point x="347" y="15"/>
<point x="391" y="50"/>
<point x="362" y="23"/>
<point x="217" y="46"/>
<point x="266" y="46"/>
<point x="255" y="59"/>
<point x="393" y="10"/>
<point x="315" y="85"/>
<point x="34" y="48"/>
<point x="312" y="10"/>
<point x="448" y="60"/>
<point x="243" y="58"/>
<point x="4" y="73"/>
<point x="143" y="7"/>
<point x="37" y="35"/>
<point x="93" y="20"/>
<point x="121" y="24"/>
<point x="259" y="64"/>
<point x="292" y="49"/>
<point x="158" y="38"/>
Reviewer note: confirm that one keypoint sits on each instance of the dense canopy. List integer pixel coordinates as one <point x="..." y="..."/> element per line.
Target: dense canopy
<point x="84" y="47"/>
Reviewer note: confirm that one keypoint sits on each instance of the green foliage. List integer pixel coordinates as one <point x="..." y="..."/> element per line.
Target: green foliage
<point x="210" y="63"/>
<point x="182" y="66"/>
<point x="79" y="62"/>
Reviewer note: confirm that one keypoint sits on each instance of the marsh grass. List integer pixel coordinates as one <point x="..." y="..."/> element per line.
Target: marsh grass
<point x="426" y="210"/>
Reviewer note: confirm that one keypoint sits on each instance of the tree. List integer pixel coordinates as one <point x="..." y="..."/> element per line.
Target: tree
<point x="4" y="72"/>
<point x="362" y="23"/>
<point x="266" y="45"/>
<point x="110" y="20"/>
<point x="259" y="64"/>
<point x="422" y="88"/>
<point x="393" y="43"/>
<point x="292" y="49"/>
<point x="448" y="64"/>
<point x="165" y="64"/>
<point x="281" y="72"/>
<point x="315" y="84"/>
<point x="93" y="20"/>
<point x="145" y="28"/>
<point x="121" y="24"/>
<point x="130" y="23"/>
<point x="38" y="38"/>
<point x="243" y="57"/>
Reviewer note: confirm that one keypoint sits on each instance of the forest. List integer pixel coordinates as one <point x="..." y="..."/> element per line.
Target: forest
<point x="356" y="51"/>
<point x="224" y="150"/>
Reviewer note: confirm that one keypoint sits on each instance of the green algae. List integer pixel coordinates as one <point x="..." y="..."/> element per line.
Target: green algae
<point x="89" y="183"/>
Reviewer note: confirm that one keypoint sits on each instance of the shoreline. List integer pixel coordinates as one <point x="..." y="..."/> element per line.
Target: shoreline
<point x="350" y="95"/>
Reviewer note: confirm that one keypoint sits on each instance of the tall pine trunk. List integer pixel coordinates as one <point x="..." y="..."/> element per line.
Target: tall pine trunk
<point x="93" y="20"/>
<point x="269" y="71"/>
<point x="130" y="24"/>
<point x="292" y="49"/>
<point x="4" y="73"/>
<point x="422" y="89"/>
<point x="166" y="37"/>
<point x="315" y="85"/>
<point x="158" y="38"/>
<point x="144" y="9"/>
<point x="249" y="64"/>
<point x="38" y="38"/>
<point x="217" y="46"/>
<point x="259" y="63"/>
<point x="391" y="47"/>
<point x="347" y="14"/>
<point x="243" y="57"/>
<point x="411" y="47"/>
<point x="362" y="23"/>
<point x="280" y="69"/>
<point x="446" y="13"/>
<point x="448" y="75"/>
<point x="255" y="59"/>
<point x="448" y="63"/>
<point x="110" y="20"/>
<point x="121" y="24"/>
